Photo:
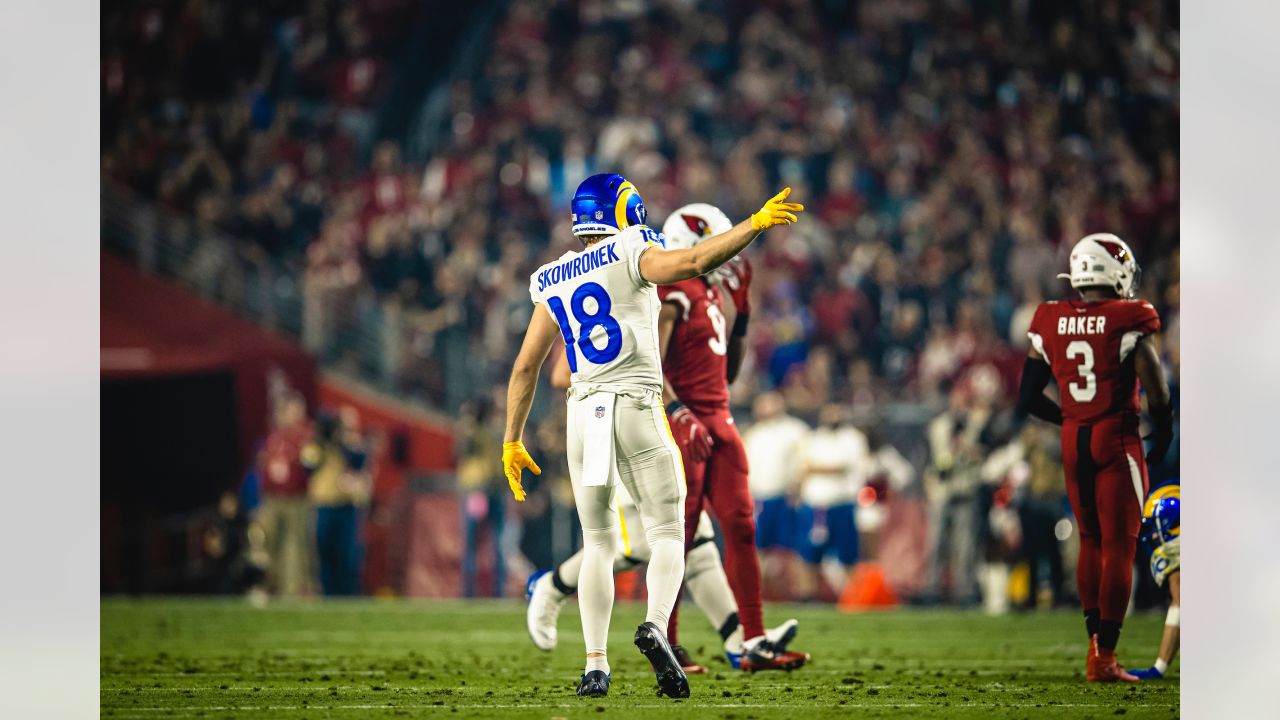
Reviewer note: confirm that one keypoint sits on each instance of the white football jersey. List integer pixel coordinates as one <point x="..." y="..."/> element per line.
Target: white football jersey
<point x="607" y="312"/>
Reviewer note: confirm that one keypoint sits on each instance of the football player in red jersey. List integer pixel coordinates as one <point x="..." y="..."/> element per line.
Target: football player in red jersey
<point x="701" y="356"/>
<point x="1097" y="349"/>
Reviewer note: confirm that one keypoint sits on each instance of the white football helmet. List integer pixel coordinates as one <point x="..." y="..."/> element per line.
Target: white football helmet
<point x="694" y="223"/>
<point x="1103" y="259"/>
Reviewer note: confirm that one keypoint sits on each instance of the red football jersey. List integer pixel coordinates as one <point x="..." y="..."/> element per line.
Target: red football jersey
<point x="696" y="361"/>
<point x="1089" y="346"/>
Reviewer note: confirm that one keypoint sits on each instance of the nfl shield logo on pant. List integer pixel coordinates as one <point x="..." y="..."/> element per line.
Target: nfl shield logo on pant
<point x="599" y="411"/>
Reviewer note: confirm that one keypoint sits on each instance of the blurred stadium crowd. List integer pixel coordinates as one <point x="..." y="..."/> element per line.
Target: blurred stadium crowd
<point x="950" y="153"/>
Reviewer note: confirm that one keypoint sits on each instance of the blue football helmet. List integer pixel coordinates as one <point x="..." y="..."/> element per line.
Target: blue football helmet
<point x="1162" y="515"/>
<point x="606" y="204"/>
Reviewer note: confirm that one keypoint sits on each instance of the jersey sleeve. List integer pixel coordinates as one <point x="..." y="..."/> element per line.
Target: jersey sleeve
<point x="1039" y="330"/>
<point x="1142" y="320"/>
<point x="1146" y="319"/>
<point x="633" y="242"/>
<point x="534" y="295"/>
<point x="676" y="294"/>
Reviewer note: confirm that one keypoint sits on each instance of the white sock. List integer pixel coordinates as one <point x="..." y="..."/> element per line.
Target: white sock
<point x="666" y="570"/>
<point x="595" y="587"/>
<point x="735" y="641"/>
<point x="598" y="663"/>
<point x="708" y="585"/>
<point x="1162" y="667"/>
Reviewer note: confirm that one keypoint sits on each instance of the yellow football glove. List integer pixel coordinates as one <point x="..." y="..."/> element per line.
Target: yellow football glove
<point x="776" y="212"/>
<point x="514" y="459"/>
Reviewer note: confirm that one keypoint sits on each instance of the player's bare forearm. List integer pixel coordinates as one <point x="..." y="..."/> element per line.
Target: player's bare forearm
<point x="1146" y="362"/>
<point x="668" y="395"/>
<point x="737" y="352"/>
<point x="519" y="400"/>
<point x="663" y="267"/>
<point x="537" y="343"/>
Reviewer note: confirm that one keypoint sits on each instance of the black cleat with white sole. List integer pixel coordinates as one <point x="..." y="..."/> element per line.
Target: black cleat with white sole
<point x="594" y="684"/>
<point x="672" y="681"/>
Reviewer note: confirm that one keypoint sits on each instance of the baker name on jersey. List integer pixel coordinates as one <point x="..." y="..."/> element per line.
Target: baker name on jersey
<point x="585" y="262"/>
<point x="1087" y="325"/>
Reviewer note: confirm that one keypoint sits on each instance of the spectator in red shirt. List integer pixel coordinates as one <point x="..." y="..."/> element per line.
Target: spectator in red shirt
<point x="285" y="512"/>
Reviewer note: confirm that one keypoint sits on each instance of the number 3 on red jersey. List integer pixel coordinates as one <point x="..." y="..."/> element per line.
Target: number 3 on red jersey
<point x="1089" y="347"/>
<point x="1086" y="391"/>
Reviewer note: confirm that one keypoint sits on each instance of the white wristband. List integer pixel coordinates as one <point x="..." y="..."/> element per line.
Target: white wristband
<point x="1172" y="617"/>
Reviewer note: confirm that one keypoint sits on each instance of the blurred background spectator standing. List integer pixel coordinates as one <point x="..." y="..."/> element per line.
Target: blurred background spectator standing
<point x="226" y="563"/>
<point x="835" y="465"/>
<point x="1029" y="468"/>
<point x="339" y="491"/>
<point x="956" y="451"/>
<point x="285" y="513"/>
<point x="776" y="450"/>
<point x="484" y="495"/>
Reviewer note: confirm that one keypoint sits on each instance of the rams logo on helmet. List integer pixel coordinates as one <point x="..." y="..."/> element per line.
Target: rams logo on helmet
<point x="606" y="204"/>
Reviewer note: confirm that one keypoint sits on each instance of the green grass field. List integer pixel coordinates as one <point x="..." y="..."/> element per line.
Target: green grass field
<point x="384" y="659"/>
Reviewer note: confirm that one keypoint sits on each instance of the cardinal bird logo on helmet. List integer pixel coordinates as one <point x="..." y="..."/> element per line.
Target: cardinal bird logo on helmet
<point x="1116" y="250"/>
<point x="697" y="224"/>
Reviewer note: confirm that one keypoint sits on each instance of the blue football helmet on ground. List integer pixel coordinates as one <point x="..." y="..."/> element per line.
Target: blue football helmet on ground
<point x="606" y="204"/>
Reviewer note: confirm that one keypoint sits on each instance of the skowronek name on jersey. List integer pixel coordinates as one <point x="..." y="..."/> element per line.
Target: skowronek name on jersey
<point x="584" y="262"/>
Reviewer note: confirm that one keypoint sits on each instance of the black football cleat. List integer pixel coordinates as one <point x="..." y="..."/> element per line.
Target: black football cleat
<point x="672" y="681"/>
<point x="594" y="684"/>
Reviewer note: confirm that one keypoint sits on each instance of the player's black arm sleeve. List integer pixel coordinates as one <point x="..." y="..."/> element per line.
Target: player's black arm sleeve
<point x="1031" y="397"/>
<point x="737" y="348"/>
<point x="1146" y="361"/>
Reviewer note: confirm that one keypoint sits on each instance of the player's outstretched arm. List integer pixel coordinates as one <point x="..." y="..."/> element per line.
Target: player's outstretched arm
<point x="538" y="339"/>
<point x="1146" y="362"/>
<point x="1031" y="398"/>
<point x="663" y="267"/>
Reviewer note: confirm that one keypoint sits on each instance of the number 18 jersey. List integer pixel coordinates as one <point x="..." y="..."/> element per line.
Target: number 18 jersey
<point x="1089" y="346"/>
<point x="607" y="313"/>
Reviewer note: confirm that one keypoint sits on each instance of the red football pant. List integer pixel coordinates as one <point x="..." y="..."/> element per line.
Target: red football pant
<point x="721" y="483"/>
<point x="1106" y="477"/>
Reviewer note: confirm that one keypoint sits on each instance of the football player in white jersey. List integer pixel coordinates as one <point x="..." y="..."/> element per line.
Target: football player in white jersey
<point x="1162" y="534"/>
<point x="704" y="575"/>
<point x="603" y="302"/>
